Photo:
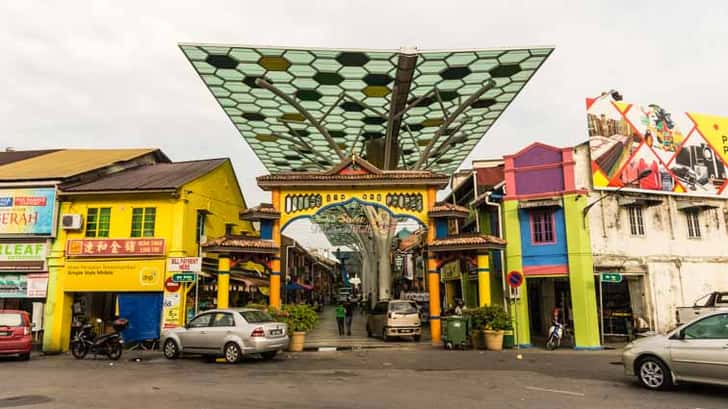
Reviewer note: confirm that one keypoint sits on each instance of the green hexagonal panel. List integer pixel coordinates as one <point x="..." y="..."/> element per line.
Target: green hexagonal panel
<point x="368" y="77"/>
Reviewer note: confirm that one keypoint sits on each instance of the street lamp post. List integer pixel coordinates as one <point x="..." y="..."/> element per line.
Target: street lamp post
<point x="642" y="175"/>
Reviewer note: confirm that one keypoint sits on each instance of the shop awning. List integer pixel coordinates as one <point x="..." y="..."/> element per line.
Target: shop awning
<point x="294" y="287"/>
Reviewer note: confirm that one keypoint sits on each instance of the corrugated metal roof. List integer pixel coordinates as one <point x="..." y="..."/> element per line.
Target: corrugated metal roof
<point x="66" y="163"/>
<point x="151" y="177"/>
<point x="16" y="156"/>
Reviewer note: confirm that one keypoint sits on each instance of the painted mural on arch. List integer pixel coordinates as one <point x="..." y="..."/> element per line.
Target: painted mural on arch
<point x="686" y="153"/>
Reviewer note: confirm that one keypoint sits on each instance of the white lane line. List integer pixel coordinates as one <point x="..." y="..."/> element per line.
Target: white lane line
<point x="533" y="388"/>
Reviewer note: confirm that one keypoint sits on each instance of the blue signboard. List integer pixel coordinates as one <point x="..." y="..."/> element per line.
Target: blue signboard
<point x="27" y="211"/>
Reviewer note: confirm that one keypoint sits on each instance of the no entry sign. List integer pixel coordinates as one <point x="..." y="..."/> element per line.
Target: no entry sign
<point x="171" y="285"/>
<point x="515" y="279"/>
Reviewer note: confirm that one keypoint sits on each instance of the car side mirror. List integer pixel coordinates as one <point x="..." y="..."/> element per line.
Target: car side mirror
<point x="679" y="335"/>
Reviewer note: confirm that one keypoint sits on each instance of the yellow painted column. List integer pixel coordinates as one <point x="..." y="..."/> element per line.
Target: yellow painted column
<point x="433" y="277"/>
<point x="484" y="279"/>
<point x="275" y="274"/>
<point x="223" y="283"/>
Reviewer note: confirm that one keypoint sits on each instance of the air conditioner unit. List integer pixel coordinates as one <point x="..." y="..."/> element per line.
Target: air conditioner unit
<point x="71" y="222"/>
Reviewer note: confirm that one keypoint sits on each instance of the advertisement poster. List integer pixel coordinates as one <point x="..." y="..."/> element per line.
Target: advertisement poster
<point x="13" y="286"/>
<point x="114" y="276"/>
<point x="27" y="211"/>
<point x="23" y="285"/>
<point x="172" y="310"/>
<point x="653" y="148"/>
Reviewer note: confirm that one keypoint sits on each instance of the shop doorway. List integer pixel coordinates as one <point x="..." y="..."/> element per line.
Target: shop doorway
<point x="100" y="309"/>
<point x="544" y="295"/>
<point x="622" y="314"/>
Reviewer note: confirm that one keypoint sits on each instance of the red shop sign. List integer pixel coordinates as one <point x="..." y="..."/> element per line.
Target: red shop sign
<point x="115" y="247"/>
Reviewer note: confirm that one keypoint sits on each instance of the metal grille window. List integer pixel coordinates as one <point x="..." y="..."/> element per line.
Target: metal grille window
<point x="142" y="221"/>
<point x="98" y="221"/>
<point x="693" y="223"/>
<point x="636" y="225"/>
<point x="542" y="226"/>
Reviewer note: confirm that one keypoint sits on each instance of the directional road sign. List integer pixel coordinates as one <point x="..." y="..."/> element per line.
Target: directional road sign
<point x="611" y="278"/>
<point x="186" y="277"/>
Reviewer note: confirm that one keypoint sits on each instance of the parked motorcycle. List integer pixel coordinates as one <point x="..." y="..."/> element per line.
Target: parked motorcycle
<point x="109" y="344"/>
<point x="556" y="334"/>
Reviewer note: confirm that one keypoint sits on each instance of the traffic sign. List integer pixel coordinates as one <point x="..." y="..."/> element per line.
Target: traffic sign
<point x="186" y="277"/>
<point x="171" y="286"/>
<point x="515" y="279"/>
<point x="611" y="278"/>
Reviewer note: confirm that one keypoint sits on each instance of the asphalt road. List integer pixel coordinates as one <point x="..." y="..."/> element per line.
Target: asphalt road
<point x="409" y="378"/>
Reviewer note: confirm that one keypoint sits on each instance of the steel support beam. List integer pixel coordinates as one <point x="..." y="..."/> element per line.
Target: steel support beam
<point x="402" y="82"/>
<point x="426" y="153"/>
<point x="332" y="143"/>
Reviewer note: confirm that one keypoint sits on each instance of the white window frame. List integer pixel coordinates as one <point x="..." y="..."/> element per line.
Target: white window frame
<point x="636" y="220"/>
<point x="693" y="218"/>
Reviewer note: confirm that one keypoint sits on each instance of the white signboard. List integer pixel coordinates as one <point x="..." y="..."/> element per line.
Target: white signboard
<point x="184" y="264"/>
<point x="37" y="285"/>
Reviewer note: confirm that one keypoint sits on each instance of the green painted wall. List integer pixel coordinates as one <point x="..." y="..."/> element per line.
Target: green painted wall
<point x="512" y="235"/>
<point x="581" y="274"/>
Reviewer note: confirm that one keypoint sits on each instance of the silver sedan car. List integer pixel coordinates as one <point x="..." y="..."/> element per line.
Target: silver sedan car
<point x="230" y="333"/>
<point x="694" y="352"/>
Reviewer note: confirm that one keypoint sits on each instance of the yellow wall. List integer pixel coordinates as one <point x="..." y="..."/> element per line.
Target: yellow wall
<point x="176" y="217"/>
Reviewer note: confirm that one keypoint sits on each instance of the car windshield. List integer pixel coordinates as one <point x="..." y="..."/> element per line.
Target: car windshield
<point x="10" y="320"/>
<point x="403" y="307"/>
<point x="255" y="317"/>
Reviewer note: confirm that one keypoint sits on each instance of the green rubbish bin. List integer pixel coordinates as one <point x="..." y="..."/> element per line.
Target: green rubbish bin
<point x="455" y="332"/>
<point x="508" y="339"/>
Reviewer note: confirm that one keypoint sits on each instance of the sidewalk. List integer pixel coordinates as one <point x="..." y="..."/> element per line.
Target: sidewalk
<point x="326" y="335"/>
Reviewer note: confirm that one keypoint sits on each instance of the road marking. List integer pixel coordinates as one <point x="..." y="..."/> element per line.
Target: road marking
<point x="533" y="388"/>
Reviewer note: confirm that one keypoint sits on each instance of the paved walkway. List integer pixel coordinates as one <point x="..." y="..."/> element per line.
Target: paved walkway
<point x="326" y="334"/>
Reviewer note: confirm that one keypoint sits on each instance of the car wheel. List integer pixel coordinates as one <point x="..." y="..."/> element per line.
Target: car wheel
<point x="232" y="353"/>
<point x="25" y="357"/>
<point x="417" y="338"/>
<point x="269" y="355"/>
<point x="385" y="337"/>
<point x="653" y="374"/>
<point x="171" y="350"/>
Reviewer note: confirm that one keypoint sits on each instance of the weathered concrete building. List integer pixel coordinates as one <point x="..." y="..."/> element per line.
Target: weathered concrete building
<point x="670" y="249"/>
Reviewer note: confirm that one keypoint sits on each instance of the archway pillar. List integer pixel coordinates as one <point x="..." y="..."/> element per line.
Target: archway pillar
<point x="275" y="274"/>
<point x="433" y="276"/>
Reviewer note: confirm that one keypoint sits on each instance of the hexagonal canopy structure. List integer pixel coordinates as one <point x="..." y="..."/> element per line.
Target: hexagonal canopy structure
<point x="303" y="109"/>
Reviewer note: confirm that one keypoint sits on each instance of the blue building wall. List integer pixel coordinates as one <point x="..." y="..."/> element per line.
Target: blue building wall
<point x="543" y="254"/>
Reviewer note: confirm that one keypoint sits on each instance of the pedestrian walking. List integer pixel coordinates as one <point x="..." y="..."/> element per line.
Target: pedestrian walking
<point x="349" y="316"/>
<point x="340" y="316"/>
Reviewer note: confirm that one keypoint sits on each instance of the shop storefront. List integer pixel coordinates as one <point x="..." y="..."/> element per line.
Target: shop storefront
<point x="621" y="301"/>
<point x="27" y="221"/>
<point x="103" y="279"/>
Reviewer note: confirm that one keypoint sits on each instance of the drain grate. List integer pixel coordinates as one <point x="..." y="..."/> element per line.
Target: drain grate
<point x="23" y="400"/>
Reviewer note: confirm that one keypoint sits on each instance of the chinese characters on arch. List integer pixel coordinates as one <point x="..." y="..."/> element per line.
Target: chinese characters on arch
<point x="685" y="152"/>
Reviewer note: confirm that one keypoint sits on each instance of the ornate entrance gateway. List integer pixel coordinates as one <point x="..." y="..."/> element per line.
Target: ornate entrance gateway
<point x="381" y="130"/>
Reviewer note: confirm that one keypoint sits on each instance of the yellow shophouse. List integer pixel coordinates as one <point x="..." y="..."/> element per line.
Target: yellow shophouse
<point x="117" y="236"/>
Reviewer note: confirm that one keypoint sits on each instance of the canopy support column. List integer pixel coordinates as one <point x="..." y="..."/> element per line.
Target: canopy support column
<point x="275" y="264"/>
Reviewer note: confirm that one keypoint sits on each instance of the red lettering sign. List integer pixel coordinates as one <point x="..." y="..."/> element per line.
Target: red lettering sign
<point x="115" y="247"/>
<point x="30" y="201"/>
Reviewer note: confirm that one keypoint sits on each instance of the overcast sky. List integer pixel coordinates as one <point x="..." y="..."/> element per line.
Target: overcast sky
<point x="110" y="74"/>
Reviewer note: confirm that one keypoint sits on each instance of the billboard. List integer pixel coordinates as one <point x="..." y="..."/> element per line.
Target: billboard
<point x="652" y="148"/>
<point x="27" y="211"/>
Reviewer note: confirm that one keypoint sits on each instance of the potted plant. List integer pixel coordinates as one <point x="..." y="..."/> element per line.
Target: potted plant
<point x="495" y="323"/>
<point x="299" y="319"/>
